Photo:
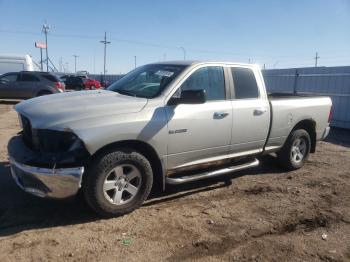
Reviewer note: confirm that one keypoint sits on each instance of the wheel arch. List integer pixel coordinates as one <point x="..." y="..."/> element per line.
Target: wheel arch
<point x="309" y="125"/>
<point x="147" y="151"/>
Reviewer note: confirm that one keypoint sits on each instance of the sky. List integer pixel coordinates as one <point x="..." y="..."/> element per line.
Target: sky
<point x="277" y="33"/>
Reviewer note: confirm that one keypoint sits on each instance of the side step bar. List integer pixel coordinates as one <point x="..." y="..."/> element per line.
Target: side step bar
<point x="209" y="174"/>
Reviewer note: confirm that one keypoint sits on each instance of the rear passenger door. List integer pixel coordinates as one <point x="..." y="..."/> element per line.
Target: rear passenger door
<point x="251" y="114"/>
<point x="27" y="85"/>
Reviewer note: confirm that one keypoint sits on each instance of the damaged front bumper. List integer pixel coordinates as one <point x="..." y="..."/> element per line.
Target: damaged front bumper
<point x="47" y="182"/>
<point x="43" y="174"/>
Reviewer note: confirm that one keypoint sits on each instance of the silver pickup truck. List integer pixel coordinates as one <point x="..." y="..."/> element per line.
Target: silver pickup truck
<point x="162" y="123"/>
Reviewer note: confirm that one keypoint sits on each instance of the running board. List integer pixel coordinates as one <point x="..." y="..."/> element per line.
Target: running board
<point x="209" y="174"/>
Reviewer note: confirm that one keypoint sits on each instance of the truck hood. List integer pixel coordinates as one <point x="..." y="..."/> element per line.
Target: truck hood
<point x="58" y="110"/>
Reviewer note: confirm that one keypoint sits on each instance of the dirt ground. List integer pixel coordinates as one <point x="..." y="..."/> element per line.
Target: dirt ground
<point x="263" y="214"/>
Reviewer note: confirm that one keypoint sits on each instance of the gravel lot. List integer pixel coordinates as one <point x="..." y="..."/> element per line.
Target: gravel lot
<point x="264" y="214"/>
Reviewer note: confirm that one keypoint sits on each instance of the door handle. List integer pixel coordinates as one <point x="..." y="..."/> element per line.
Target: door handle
<point x="259" y="111"/>
<point x="220" y="115"/>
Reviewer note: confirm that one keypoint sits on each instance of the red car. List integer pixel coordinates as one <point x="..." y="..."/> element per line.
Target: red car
<point x="90" y="84"/>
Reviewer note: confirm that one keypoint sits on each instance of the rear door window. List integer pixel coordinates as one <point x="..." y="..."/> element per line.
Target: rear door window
<point x="28" y="78"/>
<point x="244" y="82"/>
<point x="77" y="80"/>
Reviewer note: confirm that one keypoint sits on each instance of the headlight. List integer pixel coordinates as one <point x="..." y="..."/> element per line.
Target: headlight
<point x="54" y="141"/>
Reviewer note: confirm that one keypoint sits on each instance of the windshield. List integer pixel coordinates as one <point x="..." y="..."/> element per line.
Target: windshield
<point x="147" y="81"/>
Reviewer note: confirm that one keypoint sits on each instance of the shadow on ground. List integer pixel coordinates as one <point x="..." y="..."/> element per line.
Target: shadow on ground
<point x="9" y="102"/>
<point x="20" y="211"/>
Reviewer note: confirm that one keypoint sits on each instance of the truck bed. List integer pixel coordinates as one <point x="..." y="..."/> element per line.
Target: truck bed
<point x="287" y="110"/>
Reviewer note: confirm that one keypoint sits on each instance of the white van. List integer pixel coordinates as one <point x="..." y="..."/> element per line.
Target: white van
<point x="15" y="63"/>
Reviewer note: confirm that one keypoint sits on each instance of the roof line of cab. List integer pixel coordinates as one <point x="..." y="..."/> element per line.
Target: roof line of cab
<point x="199" y="62"/>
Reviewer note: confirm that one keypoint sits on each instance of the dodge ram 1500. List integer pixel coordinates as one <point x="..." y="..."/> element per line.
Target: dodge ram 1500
<point x="162" y="123"/>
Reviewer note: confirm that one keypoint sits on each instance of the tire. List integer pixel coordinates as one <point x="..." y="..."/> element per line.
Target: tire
<point x="92" y="87"/>
<point x="118" y="182"/>
<point x="44" y="93"/>
<point x="296" y="150"/>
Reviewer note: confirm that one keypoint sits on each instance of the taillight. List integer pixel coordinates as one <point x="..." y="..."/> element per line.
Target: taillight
<point x="330" y="116"/>
<point x="59" y="85"/>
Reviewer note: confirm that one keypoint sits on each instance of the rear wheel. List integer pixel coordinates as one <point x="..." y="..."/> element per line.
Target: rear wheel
<point x="118" y="182"/>
<point x="296" y="150"/>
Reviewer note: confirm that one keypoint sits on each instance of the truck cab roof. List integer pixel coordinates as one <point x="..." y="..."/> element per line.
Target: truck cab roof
<point x="198" y="62"/>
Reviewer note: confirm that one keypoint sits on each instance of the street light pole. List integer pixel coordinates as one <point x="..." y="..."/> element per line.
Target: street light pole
<point x="105" y="42"/>
<point x="45" y="30"/>
<point x="184" y="51"/>
<point x="75" y="63"/>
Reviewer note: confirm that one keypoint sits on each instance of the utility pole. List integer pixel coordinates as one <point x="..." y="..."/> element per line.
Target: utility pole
<point x="316" y="59"/>
<point x="41" y="59"/>
<point x="45" y="30"/>
<point x="184" y="51"/>
<point x="75" y="63"/>
<point x="135" y="60"/>
<point x="105" y="42"/>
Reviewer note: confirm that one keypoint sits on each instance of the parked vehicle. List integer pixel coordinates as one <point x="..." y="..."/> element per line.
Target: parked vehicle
<point x="73" y="82"/>
<point x="91" y="84"/>
<point x="28" y="84"/>
<point x="15" y="63"/>
<point x="164" y="123"/>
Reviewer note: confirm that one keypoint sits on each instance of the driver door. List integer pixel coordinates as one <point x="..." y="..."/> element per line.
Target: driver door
<point x="199" y="133"/>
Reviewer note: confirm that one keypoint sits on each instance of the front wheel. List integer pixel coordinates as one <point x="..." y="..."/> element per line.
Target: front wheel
<point x="296" y="150"/>
<point x="118" y="182"/>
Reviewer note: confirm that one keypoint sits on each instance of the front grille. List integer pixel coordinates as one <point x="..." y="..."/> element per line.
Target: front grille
<point x="27" y="131"/>
<point x="47" y="141"/>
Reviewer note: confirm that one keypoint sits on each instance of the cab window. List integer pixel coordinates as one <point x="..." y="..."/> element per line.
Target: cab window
<point x="211" y="79"/>
<point x="244" y="83"/>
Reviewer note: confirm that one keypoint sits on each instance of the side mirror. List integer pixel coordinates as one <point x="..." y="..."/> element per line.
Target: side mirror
<point x="190" y="97"/>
